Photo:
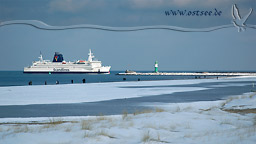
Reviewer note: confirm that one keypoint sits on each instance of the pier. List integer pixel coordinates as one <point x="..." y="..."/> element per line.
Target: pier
<point x="191" y="73"/>
<point x="202" y="73"/>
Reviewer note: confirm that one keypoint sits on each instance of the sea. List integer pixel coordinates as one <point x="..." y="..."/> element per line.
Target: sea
<point x="18" y="78"/>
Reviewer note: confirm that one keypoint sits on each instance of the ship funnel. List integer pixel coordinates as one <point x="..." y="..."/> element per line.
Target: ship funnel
<point x="58" y="57"/>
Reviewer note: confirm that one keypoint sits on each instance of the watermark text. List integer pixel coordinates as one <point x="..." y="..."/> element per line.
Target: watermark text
<point x="214" y="12"/>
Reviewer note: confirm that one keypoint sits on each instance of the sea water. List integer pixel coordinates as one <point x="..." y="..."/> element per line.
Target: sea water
<point x="18" y="78"/>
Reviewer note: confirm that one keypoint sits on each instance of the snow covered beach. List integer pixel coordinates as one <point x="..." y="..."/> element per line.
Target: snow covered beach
<point x="231" y="120"/>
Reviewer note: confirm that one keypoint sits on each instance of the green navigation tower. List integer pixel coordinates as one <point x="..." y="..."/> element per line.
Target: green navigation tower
<point x="156" y="67"/>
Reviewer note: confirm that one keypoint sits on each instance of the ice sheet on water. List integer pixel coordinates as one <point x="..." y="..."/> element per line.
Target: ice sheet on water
<point x="91" y="92"/>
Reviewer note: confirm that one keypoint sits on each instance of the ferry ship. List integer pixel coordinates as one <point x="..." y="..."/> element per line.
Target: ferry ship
<point x="59" y="65"/>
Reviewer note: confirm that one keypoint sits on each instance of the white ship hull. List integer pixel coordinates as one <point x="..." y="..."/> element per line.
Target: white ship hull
<point x="66" y="70"/>
<point x="45" y="66"/>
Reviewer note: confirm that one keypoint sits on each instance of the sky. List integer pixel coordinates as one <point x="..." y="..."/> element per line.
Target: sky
<point x="121" y="13"/>
<point x="225" y="49"/>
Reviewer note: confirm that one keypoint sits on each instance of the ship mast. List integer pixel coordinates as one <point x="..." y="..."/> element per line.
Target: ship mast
<point x="90" y="56"/>
<point x="40" y="57"/>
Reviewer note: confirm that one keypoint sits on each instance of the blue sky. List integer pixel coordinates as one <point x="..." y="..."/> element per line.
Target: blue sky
<point x="224" y="49"/>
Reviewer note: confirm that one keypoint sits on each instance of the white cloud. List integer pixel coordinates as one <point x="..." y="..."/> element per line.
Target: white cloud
<point x="68" y="5"/>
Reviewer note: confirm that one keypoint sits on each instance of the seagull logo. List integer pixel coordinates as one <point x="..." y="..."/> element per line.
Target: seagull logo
<point x="237" y="20"/>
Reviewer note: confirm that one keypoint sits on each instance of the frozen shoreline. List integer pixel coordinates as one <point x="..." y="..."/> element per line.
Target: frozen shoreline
<point x="94" y="92"/>
<point x="196" y="122"/>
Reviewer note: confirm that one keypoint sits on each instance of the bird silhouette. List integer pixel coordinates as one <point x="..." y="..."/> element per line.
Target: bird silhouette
<point x="237" y="20"/>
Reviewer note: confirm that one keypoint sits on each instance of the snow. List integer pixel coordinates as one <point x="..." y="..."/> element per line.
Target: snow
<point x="247" y="101"/>
<point x="194" y="123"/>
<point x="76" y="93"/>
<point x="197" y="122"/>
<point x="92" y="92"/>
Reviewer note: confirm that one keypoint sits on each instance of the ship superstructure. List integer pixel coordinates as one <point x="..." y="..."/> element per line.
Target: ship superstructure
<point x="59" y="65"/>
